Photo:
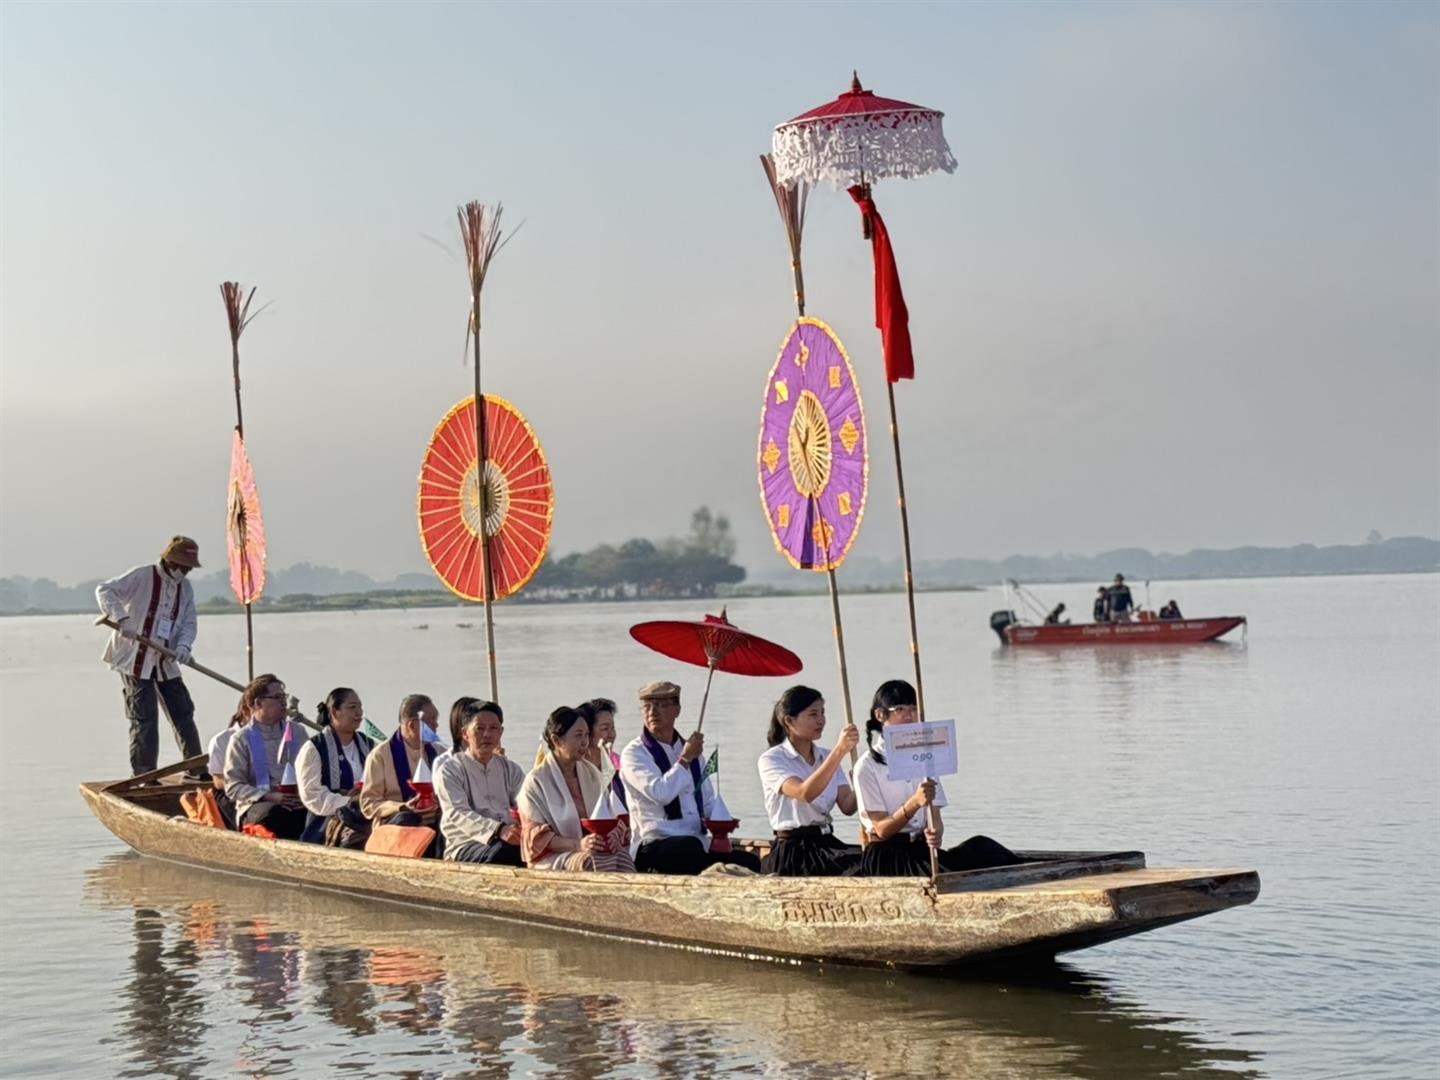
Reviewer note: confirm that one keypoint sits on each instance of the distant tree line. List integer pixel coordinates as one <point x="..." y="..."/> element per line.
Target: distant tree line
<point x="694" y="565"/>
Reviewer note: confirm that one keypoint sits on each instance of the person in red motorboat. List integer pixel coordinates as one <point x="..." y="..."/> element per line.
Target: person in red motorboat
<point x="1121" y="604"/>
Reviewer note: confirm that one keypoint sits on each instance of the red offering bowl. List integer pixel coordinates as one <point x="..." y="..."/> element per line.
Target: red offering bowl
<point x="599" y="826"/>
<point x="625" y="818"/>
<point x="426" y="791"/>
<point x="720" y="835"/>
<point x="287" y="789"/>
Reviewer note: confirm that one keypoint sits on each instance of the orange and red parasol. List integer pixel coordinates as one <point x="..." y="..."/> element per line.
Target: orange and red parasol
<point x="519" y="499"/>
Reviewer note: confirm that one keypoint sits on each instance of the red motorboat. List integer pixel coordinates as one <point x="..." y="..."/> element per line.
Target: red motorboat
<point x="1147" y="628"/>
<point x="1146" y="632"/>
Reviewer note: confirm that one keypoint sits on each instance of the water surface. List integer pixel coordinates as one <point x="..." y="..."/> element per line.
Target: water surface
<point x="1309" y="752"/>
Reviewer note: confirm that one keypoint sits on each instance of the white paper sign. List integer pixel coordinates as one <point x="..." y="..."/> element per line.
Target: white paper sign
<point x="915" y="751"/>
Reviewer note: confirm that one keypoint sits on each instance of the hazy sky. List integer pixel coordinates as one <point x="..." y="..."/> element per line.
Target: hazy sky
<point x="1181" y="292"/>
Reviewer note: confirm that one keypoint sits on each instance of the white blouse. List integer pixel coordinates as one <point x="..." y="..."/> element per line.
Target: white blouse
<point x="218" y="745"/>
<point x="782" y="762"/>
<point x="877" y="796"/>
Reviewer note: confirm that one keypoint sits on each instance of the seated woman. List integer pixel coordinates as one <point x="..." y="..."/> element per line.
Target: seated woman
<point x="895" y="810"/>
<point x="599" y="713"/>
<point x="477" y="787"/>
<point x="255" y="762"/>
<point x="802" y="782"/>
<point x="388" y="797"/>
<point x="216" y="765"/>
<point x="331" y="767"/>
<point x="557" y="794"/>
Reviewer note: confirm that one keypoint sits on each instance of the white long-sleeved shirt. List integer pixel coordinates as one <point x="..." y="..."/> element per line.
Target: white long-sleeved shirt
<point x="128" y="597"/>
<point x="648" y="790"/>
<point x="319" y="799"/>
<point x="475" y="799"/>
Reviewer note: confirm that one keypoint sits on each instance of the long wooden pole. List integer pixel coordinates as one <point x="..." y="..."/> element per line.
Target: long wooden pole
<point x="486" y="570"/>
<point x="237" y="325"/>
<point x="930" y="815"/>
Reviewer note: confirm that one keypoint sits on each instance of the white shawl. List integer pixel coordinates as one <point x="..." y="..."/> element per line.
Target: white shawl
<point x="545" y="797"/>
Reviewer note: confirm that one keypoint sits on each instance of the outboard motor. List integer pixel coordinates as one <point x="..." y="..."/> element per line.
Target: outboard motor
<point x="999" y="620"/>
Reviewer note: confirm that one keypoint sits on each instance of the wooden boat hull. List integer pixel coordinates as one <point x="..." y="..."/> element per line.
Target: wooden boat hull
<point x="1154" y="632"/>
<point x="1054" y="904"/>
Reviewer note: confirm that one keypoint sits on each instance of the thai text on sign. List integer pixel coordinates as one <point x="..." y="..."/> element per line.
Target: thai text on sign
<point x="915" y="751"/>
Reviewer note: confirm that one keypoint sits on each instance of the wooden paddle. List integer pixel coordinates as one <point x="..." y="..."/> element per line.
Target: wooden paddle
<point x="199" y="760"/>
<point x="169" y="654"/>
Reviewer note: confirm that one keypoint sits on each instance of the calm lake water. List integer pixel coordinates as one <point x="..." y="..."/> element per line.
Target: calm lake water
<point x="1311" y="753"/>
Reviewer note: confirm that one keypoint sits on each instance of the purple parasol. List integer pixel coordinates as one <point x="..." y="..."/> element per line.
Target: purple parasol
<point x="813" y="455"/>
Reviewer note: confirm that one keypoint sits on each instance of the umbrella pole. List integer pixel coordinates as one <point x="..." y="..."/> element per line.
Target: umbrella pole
<point x="486" y="570"/>
<point x="706" y="697"/>
<point x="239" y="318"/>
<point x="905" y="543"/>
<point x="840" y="651"/>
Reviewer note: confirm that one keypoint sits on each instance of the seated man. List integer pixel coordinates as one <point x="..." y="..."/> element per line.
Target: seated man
<point x="662" y="778"/>
<point x="256" y="762"/>
<point x="1053" y="619"/>
<point x="388" y="798"/>
<point x="1171" y="611"/>
<point x="477" y="788"/>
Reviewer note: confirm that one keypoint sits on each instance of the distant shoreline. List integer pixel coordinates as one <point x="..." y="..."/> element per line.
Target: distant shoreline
<point x="389" y="600"/>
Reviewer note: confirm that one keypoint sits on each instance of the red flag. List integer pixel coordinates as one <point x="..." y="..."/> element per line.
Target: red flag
<point x="892" y="318"/>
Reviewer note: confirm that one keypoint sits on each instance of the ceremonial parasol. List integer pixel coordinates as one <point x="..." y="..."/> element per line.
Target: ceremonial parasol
<point x="854" y="140"/>
<point x="716" y="644"/>
<point x="245" y="537"/>
<point x="519" y="501"/>
<point x="243" y="580"/>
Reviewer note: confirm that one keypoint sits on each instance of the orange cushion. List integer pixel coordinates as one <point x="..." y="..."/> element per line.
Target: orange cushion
<point x="406" y="841"/>
<point x="200" y="807"/>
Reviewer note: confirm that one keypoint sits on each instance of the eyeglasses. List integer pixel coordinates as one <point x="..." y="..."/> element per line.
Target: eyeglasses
<point x="272" y="697"/>
<point x="901" y="709"/>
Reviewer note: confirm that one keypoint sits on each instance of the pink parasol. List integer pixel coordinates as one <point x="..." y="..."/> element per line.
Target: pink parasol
<point x="245" y="534"/>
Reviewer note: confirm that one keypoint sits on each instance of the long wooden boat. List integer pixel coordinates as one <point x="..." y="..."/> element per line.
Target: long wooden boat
<point x="1150" y="632"/>
<point x="1055" y="902"/>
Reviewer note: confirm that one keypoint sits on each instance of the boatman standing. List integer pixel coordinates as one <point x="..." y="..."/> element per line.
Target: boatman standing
<point x="154" y="602"/>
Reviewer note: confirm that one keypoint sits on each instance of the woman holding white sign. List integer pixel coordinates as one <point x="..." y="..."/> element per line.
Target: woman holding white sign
<point x="802" y="782"/>
<point x="893" y="811"/>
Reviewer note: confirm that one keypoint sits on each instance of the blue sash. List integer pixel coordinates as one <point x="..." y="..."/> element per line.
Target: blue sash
<point x="323" y="742"/>
<point x="402" y="763"/>
<point x="672" y="808"/>
<point x="259" y="760"/>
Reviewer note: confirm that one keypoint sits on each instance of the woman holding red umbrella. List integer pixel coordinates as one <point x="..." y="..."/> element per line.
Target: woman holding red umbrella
<point x="802" y="782"/>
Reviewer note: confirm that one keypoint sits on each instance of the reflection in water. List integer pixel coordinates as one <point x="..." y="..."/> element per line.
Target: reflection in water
<point x="299" y="981"/>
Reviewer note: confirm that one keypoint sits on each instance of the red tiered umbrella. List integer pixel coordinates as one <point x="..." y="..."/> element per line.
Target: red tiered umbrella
<point x="716" y="644"/>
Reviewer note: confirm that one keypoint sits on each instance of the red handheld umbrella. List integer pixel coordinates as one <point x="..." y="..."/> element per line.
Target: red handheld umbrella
<point x="716" y="644"/>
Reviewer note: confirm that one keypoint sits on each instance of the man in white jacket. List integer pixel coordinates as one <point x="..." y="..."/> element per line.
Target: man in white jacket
<point x="155" y="602"/>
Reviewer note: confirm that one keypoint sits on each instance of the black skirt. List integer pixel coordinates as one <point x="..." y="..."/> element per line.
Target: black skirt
<point x="906" y="856"/>
<point x="811" y="853"/>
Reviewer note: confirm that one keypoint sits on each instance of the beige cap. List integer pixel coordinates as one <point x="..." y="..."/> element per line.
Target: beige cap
<point x="661" y="689"/>
<point x="182" y="551"/>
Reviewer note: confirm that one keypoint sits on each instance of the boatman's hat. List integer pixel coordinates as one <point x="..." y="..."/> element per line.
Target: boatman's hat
<point x="661" y="689"/>
<point x="182" y="551"/>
